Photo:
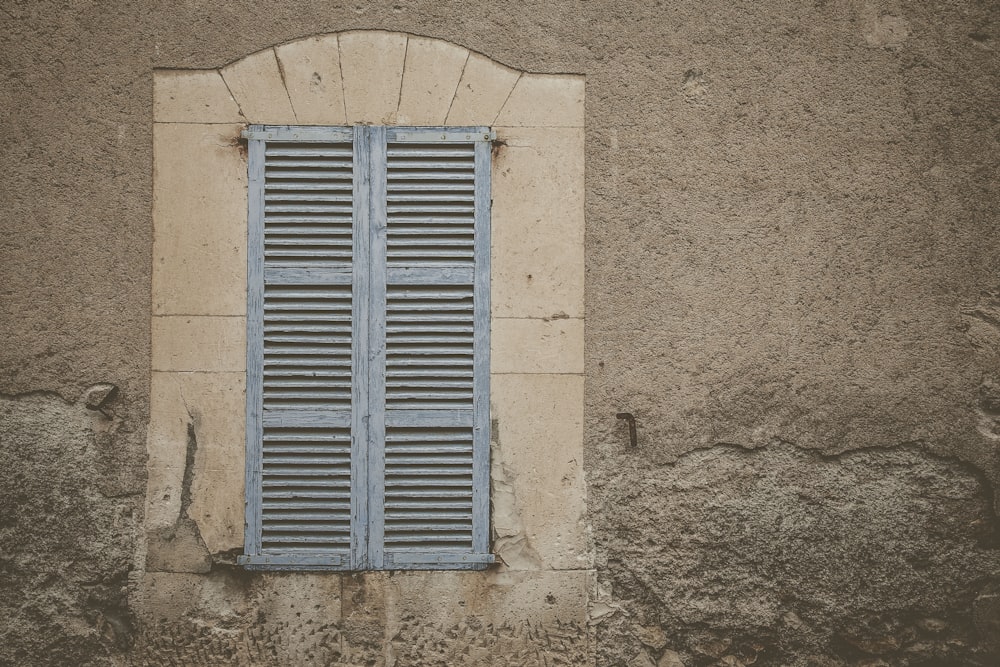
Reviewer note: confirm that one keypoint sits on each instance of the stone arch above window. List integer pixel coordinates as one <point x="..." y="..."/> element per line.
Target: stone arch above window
<point x="199" y="275"/>
<point x="369" y="77"/>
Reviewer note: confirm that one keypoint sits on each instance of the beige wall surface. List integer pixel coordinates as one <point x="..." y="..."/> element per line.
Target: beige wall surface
<point x="791" y="261"/>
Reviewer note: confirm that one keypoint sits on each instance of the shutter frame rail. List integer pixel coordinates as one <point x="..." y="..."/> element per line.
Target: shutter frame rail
<point x="298" y="561"/>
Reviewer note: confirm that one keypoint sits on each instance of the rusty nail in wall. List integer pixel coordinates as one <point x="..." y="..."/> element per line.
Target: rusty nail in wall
<point x="632" y="436"/>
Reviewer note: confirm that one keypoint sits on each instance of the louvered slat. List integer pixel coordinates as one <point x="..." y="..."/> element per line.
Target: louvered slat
<point x="306" y="490"/>
<point x="307" y="347"/>
<point x="428" y="488"/>
<point x="429" y="351"/>
<point x="430" y="204"/>
<point x="308" y="204"/>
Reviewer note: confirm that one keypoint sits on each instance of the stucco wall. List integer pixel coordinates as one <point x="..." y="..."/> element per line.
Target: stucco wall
<point x="791" y="281"/>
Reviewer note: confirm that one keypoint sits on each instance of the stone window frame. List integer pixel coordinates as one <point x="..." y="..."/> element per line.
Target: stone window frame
<point x="195" y="439"/>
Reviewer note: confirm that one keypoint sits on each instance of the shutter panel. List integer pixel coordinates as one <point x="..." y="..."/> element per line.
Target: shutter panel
<point x="368" y="348"/>
<point x="430" y="504"/>
<point x="300" y="325"/>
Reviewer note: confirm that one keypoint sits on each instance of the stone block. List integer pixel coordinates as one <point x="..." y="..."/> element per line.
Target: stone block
<point x="292" y="600"/>
<point x="209" y="406"/>
<point x="166" y="436"/>
<point x="670" y="659"/>
<point x="538" y="456"/>
<point x="544" y="100"/>
<point x="166" y="596"/>
<point x="201" y="416"/>
<point x="641" y="659"/>
<point x="192" y="96"/>
<point x="312" y="77"/>
<point x="430" y="77"/>
<point x="217" y="503"/>
<point x="482" y="91"/>
<point x="257" y="85"/>
<point x="536" y="346"/>
<point x="198" y="343"/>
<point x="220" y="599"/>
<point x="537" y="223"/>
<point x="199" y="220"/>
<point x="372" y="66"/>
<point x="177" y="548"/>
<point x="163" y="496"/>
<point x="467" y="617"/>
<point x="363" y="617"/>
<point x="217" y="402"/>
<point x="229" y="617"/>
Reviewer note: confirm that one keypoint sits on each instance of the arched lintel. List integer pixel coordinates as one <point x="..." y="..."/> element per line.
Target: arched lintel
<point x="369" y="77"/>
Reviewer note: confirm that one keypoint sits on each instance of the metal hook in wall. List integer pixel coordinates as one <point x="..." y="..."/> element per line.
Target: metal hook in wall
<point x="632" y="436"/>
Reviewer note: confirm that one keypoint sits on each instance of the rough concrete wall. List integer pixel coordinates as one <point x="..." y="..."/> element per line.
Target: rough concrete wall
<point x="808" y="250"/>
<point x="783" y="556"/>
<point x="66" y="530"/>
<point x="792" y="236"/>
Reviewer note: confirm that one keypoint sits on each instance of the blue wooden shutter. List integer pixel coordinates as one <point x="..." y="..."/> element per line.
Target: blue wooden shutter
<point x="368" y="348"/>
<point x="300" y="323"/>
<point x="429" y="475"/>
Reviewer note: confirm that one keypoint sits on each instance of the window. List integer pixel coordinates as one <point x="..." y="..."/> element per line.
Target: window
<point x="368" y="348"/>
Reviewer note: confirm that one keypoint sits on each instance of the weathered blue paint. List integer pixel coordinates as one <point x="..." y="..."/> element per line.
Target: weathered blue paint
<point x="387" y="467"/>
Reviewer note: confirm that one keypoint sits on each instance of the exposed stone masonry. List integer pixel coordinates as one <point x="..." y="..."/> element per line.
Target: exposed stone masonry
<point x="783" y="556"/>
